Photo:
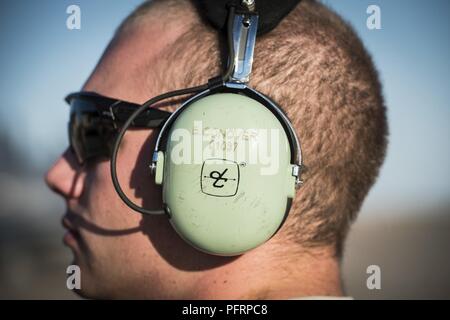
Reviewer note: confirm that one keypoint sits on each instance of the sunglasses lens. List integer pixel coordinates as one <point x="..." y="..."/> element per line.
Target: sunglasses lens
<point x="90" y="135"/>
<point x="92" y="130"/>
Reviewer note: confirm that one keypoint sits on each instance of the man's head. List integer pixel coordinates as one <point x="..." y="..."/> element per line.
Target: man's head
<point x="312" y="65"/>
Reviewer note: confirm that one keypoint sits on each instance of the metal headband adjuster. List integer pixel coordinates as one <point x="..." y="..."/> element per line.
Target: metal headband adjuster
<point x="245" y="27"/>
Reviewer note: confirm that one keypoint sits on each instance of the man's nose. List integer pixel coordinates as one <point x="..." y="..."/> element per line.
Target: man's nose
<point x="66" y="176"/>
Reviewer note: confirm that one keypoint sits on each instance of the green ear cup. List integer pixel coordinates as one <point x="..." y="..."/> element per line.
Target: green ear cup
<point x="217" y="202"/>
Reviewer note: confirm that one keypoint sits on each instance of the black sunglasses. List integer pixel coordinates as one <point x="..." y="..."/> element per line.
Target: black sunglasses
<point x="95" y="120"/>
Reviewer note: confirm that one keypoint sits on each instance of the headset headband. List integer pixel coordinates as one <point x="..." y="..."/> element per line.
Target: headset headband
<point x="243" y="26"/>
<point x="270" y="12"/>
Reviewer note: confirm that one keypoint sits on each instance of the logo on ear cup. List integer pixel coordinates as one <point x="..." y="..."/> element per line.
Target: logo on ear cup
<point x="219" y="177"/>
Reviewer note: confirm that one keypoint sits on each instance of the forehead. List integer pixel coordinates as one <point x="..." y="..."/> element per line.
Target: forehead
<point x="130" y="64"/>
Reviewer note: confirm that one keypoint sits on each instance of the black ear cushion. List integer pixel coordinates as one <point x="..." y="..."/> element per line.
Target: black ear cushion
<point x="270" y="12"/>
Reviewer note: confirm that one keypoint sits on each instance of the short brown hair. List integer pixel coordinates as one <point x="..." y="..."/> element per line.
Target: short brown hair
<point x="315" y="67"/>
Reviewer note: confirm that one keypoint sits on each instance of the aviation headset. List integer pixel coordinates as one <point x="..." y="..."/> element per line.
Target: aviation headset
<point x="221" y="204"/>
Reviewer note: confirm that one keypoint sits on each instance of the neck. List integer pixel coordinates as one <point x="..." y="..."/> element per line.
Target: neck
<point x="259" y="275"/>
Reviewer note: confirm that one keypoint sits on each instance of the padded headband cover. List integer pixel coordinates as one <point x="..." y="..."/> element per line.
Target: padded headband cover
<point x="270" y="12"/>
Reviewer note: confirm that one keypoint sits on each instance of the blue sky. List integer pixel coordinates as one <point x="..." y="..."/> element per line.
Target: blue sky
<point x="42" y="61"/>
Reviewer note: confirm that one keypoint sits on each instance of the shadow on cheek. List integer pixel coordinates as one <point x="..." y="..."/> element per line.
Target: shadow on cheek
<point x="81" y="223"/>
